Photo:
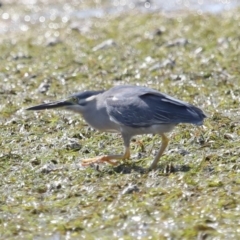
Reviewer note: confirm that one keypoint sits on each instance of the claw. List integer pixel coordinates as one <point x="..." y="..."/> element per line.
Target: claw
<point x="107" y="158"/>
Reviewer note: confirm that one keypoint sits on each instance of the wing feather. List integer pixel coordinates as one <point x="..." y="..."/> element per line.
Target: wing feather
<point x="151" y="108"/>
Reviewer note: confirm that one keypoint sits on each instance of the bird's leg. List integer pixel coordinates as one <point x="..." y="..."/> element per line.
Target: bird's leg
<point x="165" y="141"/>
<point x="107" y="158"/>
<point x="110" y="158"/>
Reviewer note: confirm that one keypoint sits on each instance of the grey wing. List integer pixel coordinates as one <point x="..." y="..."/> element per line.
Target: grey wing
<point x="152" y="109"/>
<point x="129" y="112"/>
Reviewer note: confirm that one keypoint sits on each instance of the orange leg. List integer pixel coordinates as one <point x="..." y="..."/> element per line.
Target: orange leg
<point x="107" y="158"/>
<point x="164" y="145"/>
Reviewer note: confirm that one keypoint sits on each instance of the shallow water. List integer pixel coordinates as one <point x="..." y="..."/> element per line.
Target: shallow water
<point x="17" y="16"/>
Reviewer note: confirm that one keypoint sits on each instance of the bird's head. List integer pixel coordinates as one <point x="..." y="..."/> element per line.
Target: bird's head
<point x="76" y="103"/>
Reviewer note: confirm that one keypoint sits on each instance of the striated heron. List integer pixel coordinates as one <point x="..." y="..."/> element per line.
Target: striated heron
<point x="129" y="110"/>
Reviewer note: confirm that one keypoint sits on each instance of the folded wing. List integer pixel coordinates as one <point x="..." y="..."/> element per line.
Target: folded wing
<point x="151" y="108"/>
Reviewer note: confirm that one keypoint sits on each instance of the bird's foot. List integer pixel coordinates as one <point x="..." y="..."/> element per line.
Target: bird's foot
<point x="99" y="159"/>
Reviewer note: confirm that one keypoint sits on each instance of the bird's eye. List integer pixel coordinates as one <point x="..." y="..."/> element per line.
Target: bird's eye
<point x="74" y="99"/>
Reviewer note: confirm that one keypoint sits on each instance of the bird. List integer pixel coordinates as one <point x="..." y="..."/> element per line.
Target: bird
<point x="129" y="110"/>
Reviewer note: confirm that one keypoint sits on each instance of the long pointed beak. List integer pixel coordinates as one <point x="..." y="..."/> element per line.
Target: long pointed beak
<point x="58" y="104"/>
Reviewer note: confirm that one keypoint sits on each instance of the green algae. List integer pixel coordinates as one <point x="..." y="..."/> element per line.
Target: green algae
<point x="46" y="193"/>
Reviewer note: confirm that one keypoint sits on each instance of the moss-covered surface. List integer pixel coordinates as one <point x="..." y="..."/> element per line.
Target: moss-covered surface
<point x="45" y="193"/>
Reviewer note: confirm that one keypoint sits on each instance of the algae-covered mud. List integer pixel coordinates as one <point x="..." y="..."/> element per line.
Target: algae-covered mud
<point x="48" y="51"/>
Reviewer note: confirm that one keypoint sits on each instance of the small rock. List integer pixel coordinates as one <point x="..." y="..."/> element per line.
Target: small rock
<point x="47" y="168"/>
<point x="177" y="42"/>
<point x="44" y="87"/>
<point x="52" y="42"/>
<point x="79" y="27"/>
<point x="35" y="162"/>
<point x="130" y="189"/>
<point x="159" y="31"/>
<point x="228" y="136"/>
<point x="104" y="45"/>
<point x="167" y="63"/>
<point x="177" y="77"/>
<point x="73" y="144"/>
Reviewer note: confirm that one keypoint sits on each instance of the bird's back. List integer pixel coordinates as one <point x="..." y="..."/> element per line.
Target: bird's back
<point x="136" y="106"/>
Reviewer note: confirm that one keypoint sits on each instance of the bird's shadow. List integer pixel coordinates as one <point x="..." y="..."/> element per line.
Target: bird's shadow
<point x="162" y="168"/>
